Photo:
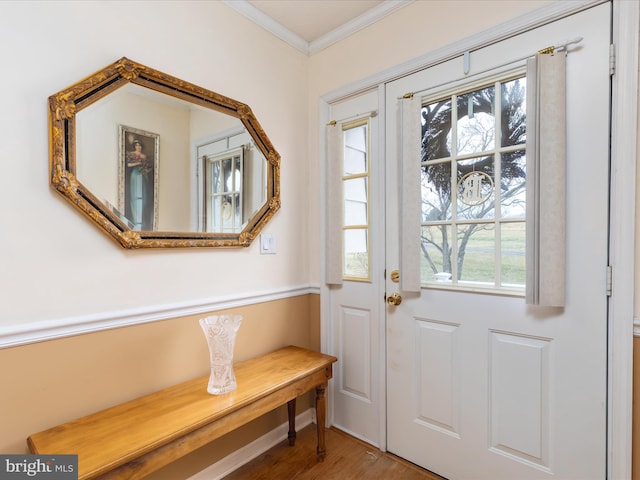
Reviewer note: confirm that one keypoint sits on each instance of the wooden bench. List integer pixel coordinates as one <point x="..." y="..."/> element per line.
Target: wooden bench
<point x="138" y="437"/>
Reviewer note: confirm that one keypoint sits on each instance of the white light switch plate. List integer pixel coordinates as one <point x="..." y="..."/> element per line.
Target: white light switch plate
<point x="267" y="243"/>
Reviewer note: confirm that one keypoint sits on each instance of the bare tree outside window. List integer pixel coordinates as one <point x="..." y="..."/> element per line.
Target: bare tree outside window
<point x="473" y="184"/>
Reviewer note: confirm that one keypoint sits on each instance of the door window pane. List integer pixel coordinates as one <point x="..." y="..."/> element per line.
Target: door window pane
<point x="514" y="112"/>
<point x="512" y="184"/>
<point x="356" y="256"/>
<point x="473" y="186"/>
<point x="436" y="125"/>
<point x="476" y="127"/>
<point x="476" y="253"/>
<point x="355" y="150"/>
<point x="436" y="192"/>
<point x="355" y="194"/>
<point x="436" y="253"/>
<point x="512" y="252"/>
<point x="355" y="201"/>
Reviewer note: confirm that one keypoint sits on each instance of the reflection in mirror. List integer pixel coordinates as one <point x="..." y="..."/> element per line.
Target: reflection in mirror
<point x="199" y="169"/>
<point x="232" y="184"/>
<point x="158" y="162"/>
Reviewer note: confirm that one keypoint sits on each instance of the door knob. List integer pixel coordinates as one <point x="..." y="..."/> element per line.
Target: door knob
<point x="394" y="299"/>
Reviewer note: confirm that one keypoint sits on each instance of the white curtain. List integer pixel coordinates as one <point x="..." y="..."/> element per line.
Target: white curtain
<point x="546" y="179"/>
<point x="410" y="195"/>
<point x="333" y="265"/>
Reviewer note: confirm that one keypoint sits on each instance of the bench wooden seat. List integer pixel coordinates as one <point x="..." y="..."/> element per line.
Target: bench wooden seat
<point x="135" y="438"/>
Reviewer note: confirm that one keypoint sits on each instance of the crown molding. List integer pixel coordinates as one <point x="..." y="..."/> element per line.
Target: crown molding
<point x="265" y="21"/>
<point x="368" y="18"/>
<point x="372" y="16"/>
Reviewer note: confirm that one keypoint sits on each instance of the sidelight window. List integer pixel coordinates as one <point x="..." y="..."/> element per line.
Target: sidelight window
<point x="355" y="188"/>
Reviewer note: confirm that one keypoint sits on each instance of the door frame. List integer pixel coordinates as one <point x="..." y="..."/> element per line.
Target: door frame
<point x="624" y="125"/>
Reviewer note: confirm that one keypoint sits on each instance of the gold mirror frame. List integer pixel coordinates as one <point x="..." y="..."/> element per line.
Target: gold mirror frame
<point x="64" y="106"/>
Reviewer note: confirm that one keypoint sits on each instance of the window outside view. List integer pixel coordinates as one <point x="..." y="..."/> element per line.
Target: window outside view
<point x="473" y="188"/>
<point x="355" y="182"/>
<point x="224" y="193"/>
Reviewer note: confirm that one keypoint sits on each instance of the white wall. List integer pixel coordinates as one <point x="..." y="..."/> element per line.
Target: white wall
<point x="54" y="263"/>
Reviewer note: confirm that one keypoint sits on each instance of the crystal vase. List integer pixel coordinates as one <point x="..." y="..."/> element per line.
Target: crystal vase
<point x="220" y="332"/>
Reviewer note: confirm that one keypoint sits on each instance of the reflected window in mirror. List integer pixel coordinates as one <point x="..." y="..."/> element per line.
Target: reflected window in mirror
<point x="223" y="183"/>
<point x="233" y="182"/>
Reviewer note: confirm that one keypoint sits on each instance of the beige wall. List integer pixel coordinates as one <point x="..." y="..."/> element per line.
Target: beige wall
<point x="48" y="383"/>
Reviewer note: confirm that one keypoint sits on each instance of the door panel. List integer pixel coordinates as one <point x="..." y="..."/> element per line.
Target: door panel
<point x="480" y="385"/>
<point x="519" y="387"/>
<point x="355" y="306"/>
<point x="355" y="351"/>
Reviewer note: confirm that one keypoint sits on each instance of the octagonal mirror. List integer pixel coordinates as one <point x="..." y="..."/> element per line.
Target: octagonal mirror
<point x="155" y="161"/>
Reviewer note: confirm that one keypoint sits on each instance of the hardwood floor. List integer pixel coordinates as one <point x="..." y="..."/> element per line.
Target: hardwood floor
<point x="347" y="458"/>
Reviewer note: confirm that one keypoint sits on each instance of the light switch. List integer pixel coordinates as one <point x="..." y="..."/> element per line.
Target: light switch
<point x="267" y="243"/>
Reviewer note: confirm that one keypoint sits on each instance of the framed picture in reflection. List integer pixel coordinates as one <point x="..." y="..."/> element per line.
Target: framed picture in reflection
<point x="138" y="177"/>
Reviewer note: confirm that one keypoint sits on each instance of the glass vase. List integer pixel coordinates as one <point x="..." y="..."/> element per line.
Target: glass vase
<point x="220" y="332"/>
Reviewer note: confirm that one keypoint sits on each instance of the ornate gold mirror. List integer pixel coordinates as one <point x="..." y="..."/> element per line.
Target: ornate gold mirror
<point x="155" y="161"/>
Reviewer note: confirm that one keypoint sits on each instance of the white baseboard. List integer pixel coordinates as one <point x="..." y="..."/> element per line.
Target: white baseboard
<point x="247" y="453"/>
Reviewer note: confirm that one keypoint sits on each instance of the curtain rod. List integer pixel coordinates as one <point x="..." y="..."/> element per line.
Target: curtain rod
<point x="371" y="114"/>
<point x="558" y="47"/>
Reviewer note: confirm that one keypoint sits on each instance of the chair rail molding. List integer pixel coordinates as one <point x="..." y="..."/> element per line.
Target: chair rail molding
<point x="23" y="334"/>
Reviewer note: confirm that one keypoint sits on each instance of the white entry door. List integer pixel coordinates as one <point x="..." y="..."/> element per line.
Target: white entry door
<point x="355" y="305"/>
<point x="479" y="384"/>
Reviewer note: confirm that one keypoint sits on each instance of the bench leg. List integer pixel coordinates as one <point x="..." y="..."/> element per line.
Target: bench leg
<point x="291" y="411"/>
<point x="320" y="418"/>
